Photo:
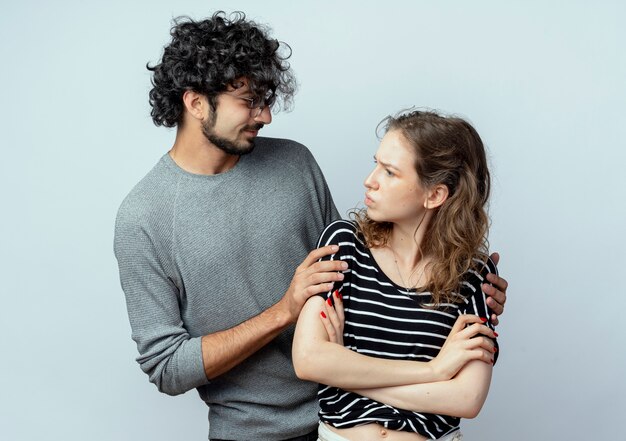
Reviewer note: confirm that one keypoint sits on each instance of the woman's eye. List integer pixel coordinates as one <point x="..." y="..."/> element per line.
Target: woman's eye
<point x="388" y="172"/>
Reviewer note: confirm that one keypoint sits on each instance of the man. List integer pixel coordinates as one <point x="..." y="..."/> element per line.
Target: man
<point x="208" y="240"/>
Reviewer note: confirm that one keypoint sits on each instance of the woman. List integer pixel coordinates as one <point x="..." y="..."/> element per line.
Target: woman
<point x="417" y="334"/>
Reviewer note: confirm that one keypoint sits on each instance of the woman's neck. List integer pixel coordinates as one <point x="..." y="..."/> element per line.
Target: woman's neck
<point x="405" y="247"/>
<point x="406" y="241"/>
<point x="402" y="259"/>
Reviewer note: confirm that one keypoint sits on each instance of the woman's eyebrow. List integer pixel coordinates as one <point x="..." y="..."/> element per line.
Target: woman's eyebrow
<point x="385" y="164"/>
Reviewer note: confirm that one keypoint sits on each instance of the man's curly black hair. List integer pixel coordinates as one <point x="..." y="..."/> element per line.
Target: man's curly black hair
<point x="208" y="56"/>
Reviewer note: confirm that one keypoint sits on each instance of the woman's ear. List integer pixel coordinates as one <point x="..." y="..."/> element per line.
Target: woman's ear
<point x="195" y="104"/>
<point x="437" y="195"/>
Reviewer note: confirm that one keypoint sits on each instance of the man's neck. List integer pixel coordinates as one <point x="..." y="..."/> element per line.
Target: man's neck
<point x="195" y="154"/>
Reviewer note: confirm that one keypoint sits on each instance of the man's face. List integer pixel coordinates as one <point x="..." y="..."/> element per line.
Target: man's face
<point x="233" y="126"/>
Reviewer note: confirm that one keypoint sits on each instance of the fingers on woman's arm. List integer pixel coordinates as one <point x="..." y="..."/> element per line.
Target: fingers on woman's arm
<point x="333" y="318"/>
<point x="339" y="307"/>
<point x="328" y="316"/>
<point x="328" y="325"/>
<point x="483" y="349"/>
<point x="477" y="328"/>
<point x="479" y="338"/>
<point x="464" y="320"/>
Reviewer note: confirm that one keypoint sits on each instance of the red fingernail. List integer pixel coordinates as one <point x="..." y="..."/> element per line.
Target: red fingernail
<point x="492" y="362"/>
<point x="322" y="314"/>
<point x="340" y="296"/>
<point x="330" y="302"/>
<point x="495" y="349"/>
<point x="495" y="333"/>
<point x="483" y="319"/>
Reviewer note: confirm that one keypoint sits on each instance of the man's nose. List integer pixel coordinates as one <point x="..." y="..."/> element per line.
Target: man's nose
<point x="264" y="116"/>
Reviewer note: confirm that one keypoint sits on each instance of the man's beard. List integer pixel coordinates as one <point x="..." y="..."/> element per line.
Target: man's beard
<point x="226" y="145"/>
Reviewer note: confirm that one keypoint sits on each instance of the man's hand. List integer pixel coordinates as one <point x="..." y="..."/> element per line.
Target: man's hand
<point x="312" y="277"/>
<point x="496" y="293"/>
<point x="223" y="350"/>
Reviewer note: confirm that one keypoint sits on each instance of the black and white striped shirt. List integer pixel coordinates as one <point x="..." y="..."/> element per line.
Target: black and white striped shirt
<point x="383" y="320"/>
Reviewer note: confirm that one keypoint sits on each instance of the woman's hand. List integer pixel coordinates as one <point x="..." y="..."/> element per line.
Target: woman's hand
<point x="333" y="318"/>
<point x="460" y="347"/>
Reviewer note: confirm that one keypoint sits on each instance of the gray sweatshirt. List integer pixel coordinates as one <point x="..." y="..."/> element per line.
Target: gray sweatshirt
<point x="199" y="254"/>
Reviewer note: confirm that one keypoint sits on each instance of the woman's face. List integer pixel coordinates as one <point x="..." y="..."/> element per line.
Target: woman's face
<point x="394" y="193"/>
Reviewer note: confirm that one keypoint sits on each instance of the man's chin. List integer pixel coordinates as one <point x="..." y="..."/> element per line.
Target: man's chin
<point x="248" y="148"/>
<point x="245" y="147"/>
<point x="233" y="148"/>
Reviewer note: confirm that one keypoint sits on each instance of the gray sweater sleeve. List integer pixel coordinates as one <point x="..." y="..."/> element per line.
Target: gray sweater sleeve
<point x="171" y="358"/>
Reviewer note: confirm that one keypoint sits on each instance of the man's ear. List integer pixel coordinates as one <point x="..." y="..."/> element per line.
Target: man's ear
<point x="437" y="195"/>
<point x="195" y="104"/>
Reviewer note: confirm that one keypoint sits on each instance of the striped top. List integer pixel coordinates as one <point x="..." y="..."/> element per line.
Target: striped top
<point x="383" y="320"/>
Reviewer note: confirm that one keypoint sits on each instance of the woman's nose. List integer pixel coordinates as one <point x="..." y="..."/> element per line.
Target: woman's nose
<point x="370" y="181"/>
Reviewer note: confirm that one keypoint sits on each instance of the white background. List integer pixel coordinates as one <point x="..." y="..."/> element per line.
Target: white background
<point x="543" y="82"/>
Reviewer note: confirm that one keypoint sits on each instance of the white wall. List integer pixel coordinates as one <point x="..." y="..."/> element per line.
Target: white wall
<point x="543" y="82"/>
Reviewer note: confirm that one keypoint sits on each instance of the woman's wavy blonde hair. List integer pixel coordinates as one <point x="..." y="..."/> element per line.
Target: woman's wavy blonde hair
<point x="448" y="151"/>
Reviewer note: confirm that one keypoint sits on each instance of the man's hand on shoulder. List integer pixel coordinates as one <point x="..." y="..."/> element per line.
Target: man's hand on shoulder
<point x="311" y="277"/>
<point x="496" y="292"/>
